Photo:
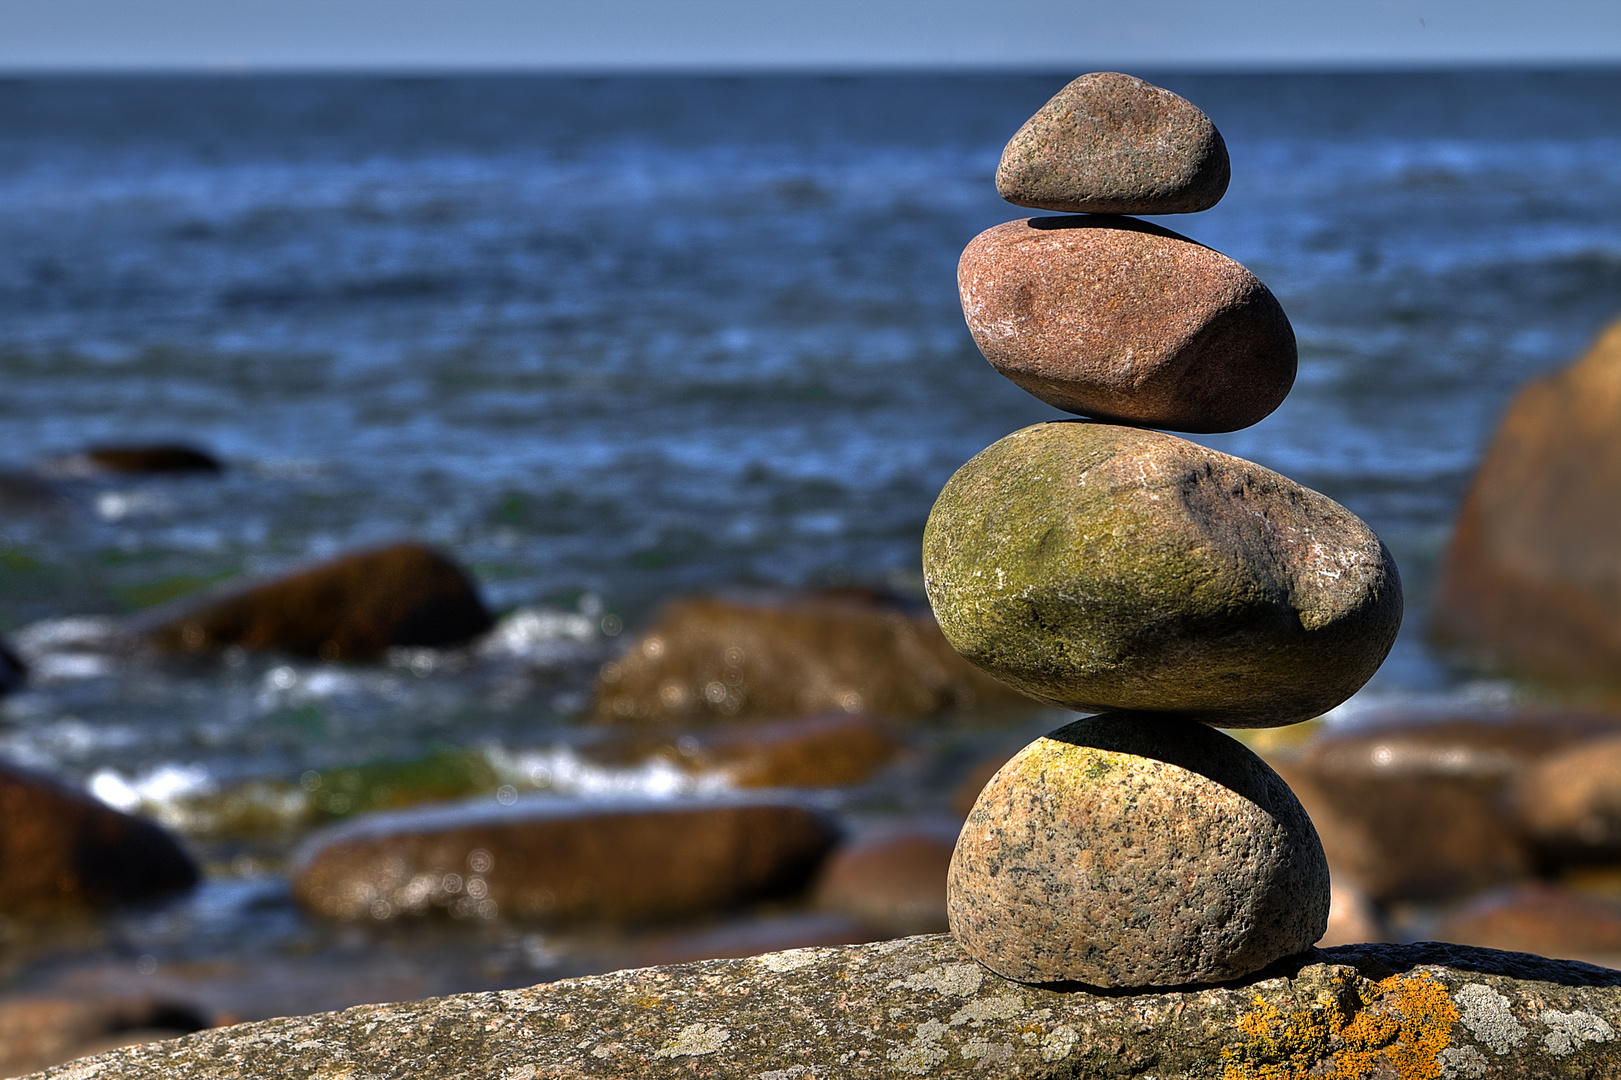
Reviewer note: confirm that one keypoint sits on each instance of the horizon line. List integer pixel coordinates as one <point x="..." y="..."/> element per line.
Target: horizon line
<point x="812" y="70"/>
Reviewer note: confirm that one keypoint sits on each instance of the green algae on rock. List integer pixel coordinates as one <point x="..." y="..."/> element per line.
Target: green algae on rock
<point x="1101" y="567"/>
<point x="1123" y="852"/>
<point x="921" y="1007"/>
<point x="1113" y="144"/>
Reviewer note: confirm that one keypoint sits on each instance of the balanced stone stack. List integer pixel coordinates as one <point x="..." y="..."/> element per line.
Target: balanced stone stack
<point x="1100" y="565"/>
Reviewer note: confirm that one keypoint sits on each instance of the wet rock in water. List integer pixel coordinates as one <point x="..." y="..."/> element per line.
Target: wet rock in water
<point x="37" y="1032"/>
<point x="13" y="670"/>
<point x="1113" y="144"/>
<point x="562" y="859"/>
<point x="1103" y="567"/>
<point x="922" y="1007"/>
<point x="157" y="458"/>
<point x="712" y="658"/>
<point x="1128" y="851"/>
<point x="1536" y="917"/>
<point x="353" y="608"/>
<point x="893" y="879"/>
<point x="1570" y="802"/>
<point x="1420" y="807"/>
<point x="1531" y="582"/>
<point x="831" y="750"/>
<point x="1121" y="320"/>
<point x="63" y="853"/>
<point x="1352" y="919"/>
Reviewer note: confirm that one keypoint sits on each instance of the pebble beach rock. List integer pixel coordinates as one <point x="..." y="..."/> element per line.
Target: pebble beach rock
<point x="775" y="656"/>
<point x="1570" y="803"/>
<point x="562" y="859"/>
<point x="352" y="608"/>
<point x="1123" y="852"/>
<point x="1102" y="567"/>
<point x="1113" y="144"/>
<point x="65" y="853"/>
<point x="1121" y="320"/>
<point x="921" y="1007"/>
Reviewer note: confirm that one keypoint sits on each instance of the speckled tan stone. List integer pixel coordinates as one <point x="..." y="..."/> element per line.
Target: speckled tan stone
<point x="1114" y="144"/>
<point x="1121" y="320"/>
<point x="1102" y="567"/>
<point x="1119" y="851"/>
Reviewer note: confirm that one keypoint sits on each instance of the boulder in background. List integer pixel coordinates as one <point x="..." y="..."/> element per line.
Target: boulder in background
<point x="1532" y="580"/>
<point x="630" y="860"/>
<point x="62" y="852"/>
<point x="709" y="658"/>
<point x="353" y="608"/>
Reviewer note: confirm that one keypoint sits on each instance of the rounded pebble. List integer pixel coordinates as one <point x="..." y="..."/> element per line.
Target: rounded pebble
<point x="1122" y="853"/>
<point x="1113" y="144"/>
<point x="1101" y="567"/>
<point x="1121" y="320"/>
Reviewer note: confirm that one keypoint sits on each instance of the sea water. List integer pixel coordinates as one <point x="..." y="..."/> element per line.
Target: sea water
<point x="609" y="340"/>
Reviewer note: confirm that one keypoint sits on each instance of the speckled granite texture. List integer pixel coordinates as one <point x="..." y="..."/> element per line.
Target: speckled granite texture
<point x="920" y="1007"/>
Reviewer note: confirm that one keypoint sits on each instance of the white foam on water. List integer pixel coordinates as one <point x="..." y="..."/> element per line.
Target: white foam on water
<point x="561" y="770"/>
<point x="157" y="791"/>
<point x="76" y="633"/>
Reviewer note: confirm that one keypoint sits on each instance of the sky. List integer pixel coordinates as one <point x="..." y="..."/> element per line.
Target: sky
<point x="744" y="35"/>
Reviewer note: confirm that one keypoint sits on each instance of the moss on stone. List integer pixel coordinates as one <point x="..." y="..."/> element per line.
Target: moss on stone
<point x="1096" y="566"/>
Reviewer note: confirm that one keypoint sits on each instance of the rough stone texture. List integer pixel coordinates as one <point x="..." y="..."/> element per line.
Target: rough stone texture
<point x="1570" y="802"/>
<point x="63" y="852"/>
<point x="893" y="879"/>
<point x="1124" y="851"/>
<point x="1113" y="144"/>
<point x="1121" y="320"/>
<point x="1420" y="808"/>
<point x="1542" y="918"/>
<point x="921" y="1007"/>
<point x="353" y="608"/>
<point x="711" y="658"/>
<point x="1102" y="567"/>
<point x="1532" y="580"/>
<point x="562" y="859"/>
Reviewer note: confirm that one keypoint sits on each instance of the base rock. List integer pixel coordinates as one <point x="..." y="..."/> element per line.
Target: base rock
<point x="921" y="1007"/>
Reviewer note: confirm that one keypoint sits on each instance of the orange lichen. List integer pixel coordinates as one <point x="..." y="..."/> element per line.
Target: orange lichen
<point x="1405" y="1021"/>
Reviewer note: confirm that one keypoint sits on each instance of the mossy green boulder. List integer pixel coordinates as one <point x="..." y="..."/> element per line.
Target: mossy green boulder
<point x="1102" y="567"/>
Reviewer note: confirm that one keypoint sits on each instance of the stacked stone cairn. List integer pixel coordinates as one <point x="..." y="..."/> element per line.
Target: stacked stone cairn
<point x="1100" y="565"/>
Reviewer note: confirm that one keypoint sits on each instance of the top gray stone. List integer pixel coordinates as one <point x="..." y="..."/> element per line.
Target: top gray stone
<point x="1113" y="144"/>
<point x="921" y="1007"/>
